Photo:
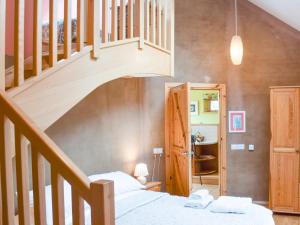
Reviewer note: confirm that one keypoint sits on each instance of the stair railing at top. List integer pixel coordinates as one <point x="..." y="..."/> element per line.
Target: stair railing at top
<point x="99" y="195"/>
<point x="98" y="24"/>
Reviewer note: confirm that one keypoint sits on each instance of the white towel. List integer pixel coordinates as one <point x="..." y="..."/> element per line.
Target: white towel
<point x="199" y="203"/>
<point x="227" y="204"/>
<point x="200" y="194"/>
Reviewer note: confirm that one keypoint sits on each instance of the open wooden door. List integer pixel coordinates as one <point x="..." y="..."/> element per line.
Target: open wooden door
<point x="179" y="140"/>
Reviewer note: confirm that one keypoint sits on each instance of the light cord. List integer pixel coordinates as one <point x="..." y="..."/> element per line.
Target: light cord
<point x="159" y="166"/>
<point x="153" y="169"/>
<point x="236" y="19"/>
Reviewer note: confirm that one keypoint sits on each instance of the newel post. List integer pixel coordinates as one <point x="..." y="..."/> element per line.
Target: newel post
<point x="102" y="203"/>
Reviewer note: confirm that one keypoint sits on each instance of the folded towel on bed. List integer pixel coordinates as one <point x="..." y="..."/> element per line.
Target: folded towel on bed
<point x="199" y="203"/>
<point x="227" y="204"/>
<point x="200" y="194"/>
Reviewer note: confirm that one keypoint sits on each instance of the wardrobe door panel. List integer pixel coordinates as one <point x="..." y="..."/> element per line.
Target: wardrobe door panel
<point x="284" y="156"/>
<point x="285" y="120"/>
<point x="285" y="182"/>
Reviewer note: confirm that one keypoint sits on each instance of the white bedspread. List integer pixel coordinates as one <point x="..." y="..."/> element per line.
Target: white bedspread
<point x="155" y="208"/>
<point x="163" y="209"/>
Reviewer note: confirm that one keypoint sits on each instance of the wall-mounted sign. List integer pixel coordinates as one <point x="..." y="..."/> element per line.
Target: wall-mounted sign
<point x="237" y="121"/>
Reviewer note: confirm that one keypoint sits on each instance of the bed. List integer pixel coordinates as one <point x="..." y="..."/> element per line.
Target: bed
<point x="135" y="206"/>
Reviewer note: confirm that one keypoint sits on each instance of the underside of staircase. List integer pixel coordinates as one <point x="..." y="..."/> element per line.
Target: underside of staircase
<point x="49" y="97"/>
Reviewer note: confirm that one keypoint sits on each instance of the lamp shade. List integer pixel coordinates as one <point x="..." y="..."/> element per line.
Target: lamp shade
<point x="236" y="50"/>
<point x="141" y="170"/>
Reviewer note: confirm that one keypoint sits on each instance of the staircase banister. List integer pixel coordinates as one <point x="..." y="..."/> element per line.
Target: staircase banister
<point x="47" y="147"/>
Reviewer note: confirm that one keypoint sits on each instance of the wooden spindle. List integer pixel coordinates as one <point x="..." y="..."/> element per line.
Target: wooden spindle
<point x="67" y="28"/>
<point x="52" y="32"/>
<point x="94" y="26"/>
<point x="57" y="187"/>
<point x="147" y="20"/>
<point x="164" y="27"/>
<point x="38" y="180"/>
<point x="77" y="208"/>
<point x="140" y="15"/>
<point x="114" y="21"/>
<point x="22" y="178"/>
<point x="1" y="216"/>
<point x="105" y="21"/>
<point x="37" y="37"/>
<point x="130" y="19"/>
<point x="102" y="205"/>
<point x="172" y="36"/>
<point x="6" y="175"/>
<point x="80" y="25"/>
<point x="19" y="43"/>
<point x="158" y="23"/>
<point x="122" y="25"/>
<point x="2" y="43"/>
<point x="153" y="21"/>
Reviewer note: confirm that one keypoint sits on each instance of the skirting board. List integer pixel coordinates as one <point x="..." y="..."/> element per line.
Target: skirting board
<point x="262" y="203"/>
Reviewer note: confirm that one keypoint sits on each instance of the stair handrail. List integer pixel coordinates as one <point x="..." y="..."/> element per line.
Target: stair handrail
<point x="99" y="195"/>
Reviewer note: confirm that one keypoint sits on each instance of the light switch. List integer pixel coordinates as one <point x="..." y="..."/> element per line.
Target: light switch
<point x="237" y="147"/>
<point x="251" y="147"/>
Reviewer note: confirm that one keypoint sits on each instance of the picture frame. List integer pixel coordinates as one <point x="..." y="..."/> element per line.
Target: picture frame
<point x="237" y="121"/>
<point x="194" y="108"/>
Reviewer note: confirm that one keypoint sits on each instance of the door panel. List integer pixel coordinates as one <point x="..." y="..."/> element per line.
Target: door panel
<point x="180" y="147"/>
<point x="285" y="181"/>
<point x="284" y="163"/>
<point x="285" y="113"/>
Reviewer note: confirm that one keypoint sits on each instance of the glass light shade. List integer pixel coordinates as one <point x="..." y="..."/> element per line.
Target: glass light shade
<point x="236" y="50"/>
<point x="141" y="170"/>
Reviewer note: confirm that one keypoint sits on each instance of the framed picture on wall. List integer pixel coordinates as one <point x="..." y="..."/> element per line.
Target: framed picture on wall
<point x="237" y="121"/>
<point x="194" y="107"/>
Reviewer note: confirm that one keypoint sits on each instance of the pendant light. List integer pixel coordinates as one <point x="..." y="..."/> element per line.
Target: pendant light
<point x="236" y="45"/>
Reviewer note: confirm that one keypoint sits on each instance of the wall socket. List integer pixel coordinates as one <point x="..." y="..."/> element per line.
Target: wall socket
<point x="237" y="147"/>
<point x="158" y="151"/>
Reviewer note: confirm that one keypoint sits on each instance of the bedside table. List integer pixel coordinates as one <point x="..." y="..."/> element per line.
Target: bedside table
<point x="153" y="186"/>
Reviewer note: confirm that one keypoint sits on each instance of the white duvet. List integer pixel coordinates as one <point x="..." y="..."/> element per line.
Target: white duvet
<point x="155" y="208"/>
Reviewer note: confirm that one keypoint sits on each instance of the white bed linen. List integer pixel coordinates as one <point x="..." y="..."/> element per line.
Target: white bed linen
<point x="170" y="210"/>
<point x="156" y="208"/>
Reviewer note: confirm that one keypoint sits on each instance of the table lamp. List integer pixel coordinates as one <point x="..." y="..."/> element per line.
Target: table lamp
<point x="141" y="171"/>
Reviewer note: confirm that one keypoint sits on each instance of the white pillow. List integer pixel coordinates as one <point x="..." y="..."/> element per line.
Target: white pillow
<point x="123" y="182"/>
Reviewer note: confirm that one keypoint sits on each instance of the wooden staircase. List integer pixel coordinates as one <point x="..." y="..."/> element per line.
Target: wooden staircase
<point x="114" y="38"/>
<point x="137" y="40"/>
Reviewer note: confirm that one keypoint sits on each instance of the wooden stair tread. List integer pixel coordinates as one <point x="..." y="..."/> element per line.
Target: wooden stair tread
<point x="205" y="158"/>
<point x="205" y="172"/>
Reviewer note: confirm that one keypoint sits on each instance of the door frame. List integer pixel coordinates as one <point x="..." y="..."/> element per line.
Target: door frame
<point x="222" y="131"/>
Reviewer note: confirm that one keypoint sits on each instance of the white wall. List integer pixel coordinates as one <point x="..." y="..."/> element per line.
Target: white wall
<point x="286" y="10"/>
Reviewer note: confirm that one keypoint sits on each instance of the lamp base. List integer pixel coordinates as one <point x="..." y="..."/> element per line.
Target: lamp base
<point x="142" y="180"/>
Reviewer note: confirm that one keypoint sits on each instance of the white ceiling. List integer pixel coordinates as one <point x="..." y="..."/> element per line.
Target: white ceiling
<point x="286" y="10"/>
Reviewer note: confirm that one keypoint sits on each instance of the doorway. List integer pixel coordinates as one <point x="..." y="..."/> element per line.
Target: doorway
<point x="195" y="138"/>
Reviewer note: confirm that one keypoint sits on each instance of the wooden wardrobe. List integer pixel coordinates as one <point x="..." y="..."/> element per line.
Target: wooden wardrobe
<point x="284" y="149"/>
